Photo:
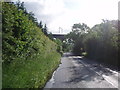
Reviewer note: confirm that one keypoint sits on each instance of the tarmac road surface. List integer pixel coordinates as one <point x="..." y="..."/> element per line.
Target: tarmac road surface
<point x="77" y="72"/>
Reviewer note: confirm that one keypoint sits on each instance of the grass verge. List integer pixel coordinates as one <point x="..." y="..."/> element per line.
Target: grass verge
<point x="31" y="73"/>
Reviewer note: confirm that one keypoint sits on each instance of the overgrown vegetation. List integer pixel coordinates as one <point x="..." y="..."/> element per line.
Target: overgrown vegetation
<point x="66" y="45"/>
<point x="30" y="73"/>
<point x="99" y="43"/>
<point x="59" y="46"/>
<point x="29" y="56"/>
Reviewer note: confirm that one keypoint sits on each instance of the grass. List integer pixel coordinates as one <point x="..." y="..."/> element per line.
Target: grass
<point x="31" y="73"/>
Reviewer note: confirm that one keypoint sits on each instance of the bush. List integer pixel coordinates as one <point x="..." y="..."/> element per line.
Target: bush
<point x="29" y="57"/>
<point x="100" y="42"/>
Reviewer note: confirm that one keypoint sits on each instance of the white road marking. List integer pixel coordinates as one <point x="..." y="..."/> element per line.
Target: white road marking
<point x="109" y="79"/>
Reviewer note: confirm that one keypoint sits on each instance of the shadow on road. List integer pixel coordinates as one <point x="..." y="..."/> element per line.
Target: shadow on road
<point x="87" y="74"/>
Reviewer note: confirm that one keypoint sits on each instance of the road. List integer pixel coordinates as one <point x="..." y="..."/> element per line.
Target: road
<point x="78" y="72"/>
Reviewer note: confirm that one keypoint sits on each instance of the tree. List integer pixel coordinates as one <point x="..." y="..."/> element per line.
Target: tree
<point x="50" y="36"/>
<point x="101" y="43"/>
<point x="40" y="26"/>
<point x="59" y="45"/>
<point x="45" y="30"/>
<point x="21" y="6"/>
<point x="80" y="28"/>
<point x="76" y="37"/>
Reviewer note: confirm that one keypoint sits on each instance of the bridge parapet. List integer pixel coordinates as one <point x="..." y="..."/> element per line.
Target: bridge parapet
<point x="59" y="36"/>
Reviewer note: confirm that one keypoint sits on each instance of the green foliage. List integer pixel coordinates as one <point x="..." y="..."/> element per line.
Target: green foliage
<point x="59" y="45"/>
<point x="99" y="43"/>
<point x="25" y="49"/>
<point x="66" y="46"/>
<point x="45" y="31"/>
<point x="50" y="36"/>
<point x="30" y="73"/>
<point x="40" y="26"/>
<point x="76" y="37"/>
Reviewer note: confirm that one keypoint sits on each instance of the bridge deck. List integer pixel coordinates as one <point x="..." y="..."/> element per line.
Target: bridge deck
<point x="59" y="36"/>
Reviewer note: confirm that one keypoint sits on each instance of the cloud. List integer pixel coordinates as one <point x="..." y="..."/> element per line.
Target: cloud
<point x="48" y="11"/>
<point x="64" y="13"/>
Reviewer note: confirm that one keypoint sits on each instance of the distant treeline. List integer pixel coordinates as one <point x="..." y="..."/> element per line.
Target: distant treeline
<point x="29" y="55"/>
<point x="99" y="42"/>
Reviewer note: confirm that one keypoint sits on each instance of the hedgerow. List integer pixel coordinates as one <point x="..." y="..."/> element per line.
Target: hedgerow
<point x="29" y="56"/>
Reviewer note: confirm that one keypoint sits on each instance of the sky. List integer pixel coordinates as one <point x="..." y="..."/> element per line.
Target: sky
<point x="62" y="14"/>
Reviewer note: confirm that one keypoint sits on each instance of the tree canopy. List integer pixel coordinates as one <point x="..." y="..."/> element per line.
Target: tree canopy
<point x="100" y="42"/>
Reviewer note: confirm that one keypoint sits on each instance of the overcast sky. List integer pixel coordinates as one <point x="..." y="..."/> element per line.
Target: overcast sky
<point x="65" y="13"/>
